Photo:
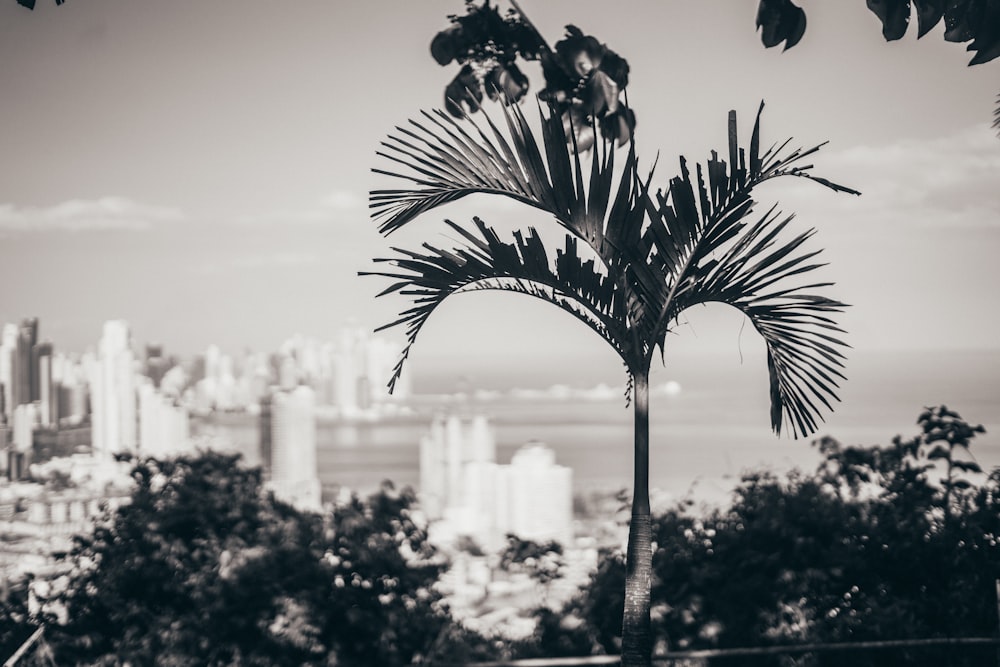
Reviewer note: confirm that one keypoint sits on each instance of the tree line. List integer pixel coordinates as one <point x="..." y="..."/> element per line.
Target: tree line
<point x="206" y="567"/>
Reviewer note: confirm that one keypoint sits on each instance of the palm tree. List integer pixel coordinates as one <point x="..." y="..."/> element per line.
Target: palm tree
<point x="651" y="256"/>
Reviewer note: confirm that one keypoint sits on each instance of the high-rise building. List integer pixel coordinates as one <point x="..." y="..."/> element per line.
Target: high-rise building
<point x="445" y="453"/>
<point x="164" y="426"/>
<point x="382" y="356"/>
<point x="294" y="475"/>
<point x="69" y="379"/>
<point x="265" y="429"/>
<point x="113" y="392"/>
<point x="47" y="396"/>
<point x="465" y="492"/>
<point x="217" y="389"/>
<point x="156" y="364"/>
<point x="536" y="496"/>
<point x="25" y="420"/>
<point x="25" y="383"/>
<point x="8" y="350"/>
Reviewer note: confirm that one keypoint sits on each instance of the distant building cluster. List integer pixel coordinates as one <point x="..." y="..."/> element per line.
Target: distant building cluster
<point x="465" y="492"/>
<point x="110" y="400"/>
<point x="348" y="374"/>
<point x="69" y="422"/>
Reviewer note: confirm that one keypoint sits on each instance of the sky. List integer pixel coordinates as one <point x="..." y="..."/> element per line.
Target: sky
<point x="201" y="169"/>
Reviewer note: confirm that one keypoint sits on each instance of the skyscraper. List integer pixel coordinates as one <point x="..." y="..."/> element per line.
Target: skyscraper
<point x="466" y="493"/>
<point x="451" y="446"/>
<point x="8" y="350"/>
<point x="47" y="396"/>
<point x="156" y="363"/>
<point x="164" y="427"/>
<point x="25" y="383"/>
<point x="113" y="392"/>
<point x="294" y="476"/>
<point x="536" y="495"/>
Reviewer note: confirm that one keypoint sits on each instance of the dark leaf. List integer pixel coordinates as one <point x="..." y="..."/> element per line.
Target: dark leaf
<point x="959" y="17"/>
<point x="780" y="21"/>
<point x="464" y="89"/>
<point x="506" y="82"/>
<point x="967" y="466"/>
<point x="929" y="13"/>
<point x="939" y="452"/>
<point x="775" y="393"/>
<point x="446" y="46"/>
<point x="894" y="15"/>
<point x="986" y="42"/>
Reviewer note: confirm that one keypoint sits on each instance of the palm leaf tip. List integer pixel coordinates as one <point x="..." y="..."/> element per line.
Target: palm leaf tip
<point x="996" y="117"/>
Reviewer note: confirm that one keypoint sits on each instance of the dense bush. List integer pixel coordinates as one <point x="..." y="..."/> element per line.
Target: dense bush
<point x="878" y="543"/>
<point x="204" y="567"/>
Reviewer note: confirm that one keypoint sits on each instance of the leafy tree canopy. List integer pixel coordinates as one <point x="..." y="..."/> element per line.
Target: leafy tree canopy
<point x="583" y="76"/>
<point x="973" y="21"/>
<point x="878" y="543"/>
<point x="204" y="567"/>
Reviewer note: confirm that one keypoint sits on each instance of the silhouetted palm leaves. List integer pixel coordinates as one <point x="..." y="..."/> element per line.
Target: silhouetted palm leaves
<point x="654" y="254"/>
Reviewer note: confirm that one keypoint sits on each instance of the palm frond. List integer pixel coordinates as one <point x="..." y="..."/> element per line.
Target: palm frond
<point x="805" y="358"/>
<point x="661" y="253"/>
<point x="700" y="241"/>
<point x="521" y="266"/>
<point x="444" y="160"/>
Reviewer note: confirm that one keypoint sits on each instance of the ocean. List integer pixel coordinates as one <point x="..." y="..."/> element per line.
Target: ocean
<point x="706" y="429"/>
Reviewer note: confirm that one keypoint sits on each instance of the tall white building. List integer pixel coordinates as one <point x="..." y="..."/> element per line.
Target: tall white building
<point x="48" y="396"/>
<point x="446" y="452"/>
<point x="8" y="347"/>
<point x="24" y="423"/>
<point x="294" y="475"/>
<point x="113" y="392"/>
<point x="535" y="496"/>
<point x="164" y="426"/>
<point x="465" y="491"/>
<point x="217" y="390"/>
<point x="69" y="378"/>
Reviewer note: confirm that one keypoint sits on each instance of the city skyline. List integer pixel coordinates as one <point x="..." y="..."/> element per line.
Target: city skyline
<point x="201" y="171"/>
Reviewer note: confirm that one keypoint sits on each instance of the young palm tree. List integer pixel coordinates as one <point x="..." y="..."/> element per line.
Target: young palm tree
<point x="651" y="256"/>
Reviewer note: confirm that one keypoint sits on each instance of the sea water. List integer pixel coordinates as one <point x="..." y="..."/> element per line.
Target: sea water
<point x="709" y="423"/>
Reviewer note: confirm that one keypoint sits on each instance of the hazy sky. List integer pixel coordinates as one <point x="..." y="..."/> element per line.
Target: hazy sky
<point x="201" y="169"/>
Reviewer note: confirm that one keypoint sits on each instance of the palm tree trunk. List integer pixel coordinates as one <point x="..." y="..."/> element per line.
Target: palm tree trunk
<point x="637" y="643"/>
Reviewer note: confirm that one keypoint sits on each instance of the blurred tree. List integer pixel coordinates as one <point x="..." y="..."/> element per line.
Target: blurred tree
<point x="204" y="567"/>
<point x="859" y="550"/>
<point x="16" y="623"/>
<point x="946" y="435"/>
<point x="381" y="606"/>
<point x="201" y="567"/>
<point x="542" y="561"/>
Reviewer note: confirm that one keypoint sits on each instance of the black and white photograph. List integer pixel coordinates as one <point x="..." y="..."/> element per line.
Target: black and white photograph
<point x="499" y="333"/>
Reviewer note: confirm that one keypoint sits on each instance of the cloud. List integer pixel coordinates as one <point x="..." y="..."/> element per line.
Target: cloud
<point x="80" y="215"/>
<point x="256" y="262"/>
<point x="949" y="181"/>
<point x="334" y="207"/>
